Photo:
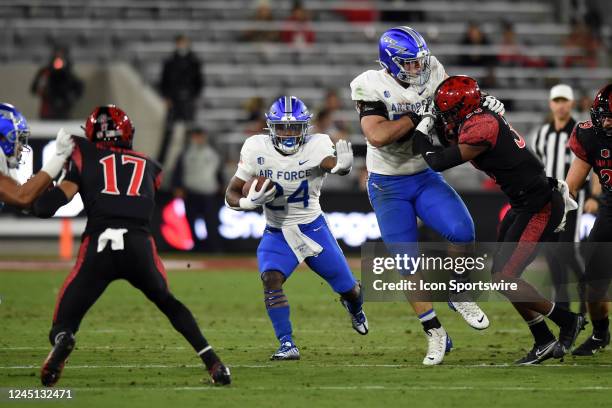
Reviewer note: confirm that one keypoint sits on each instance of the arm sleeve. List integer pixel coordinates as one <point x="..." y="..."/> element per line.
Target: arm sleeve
<point x="576" y="146"/>
<point x="438" y="158"/>
<point x="246" y="170"/>
<point x="48" y="203"/>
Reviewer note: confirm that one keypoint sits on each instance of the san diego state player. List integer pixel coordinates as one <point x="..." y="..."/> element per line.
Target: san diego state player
<point x="473" y="133"/>
<point x="118" y="187"/>
<point x="591" y="141"/>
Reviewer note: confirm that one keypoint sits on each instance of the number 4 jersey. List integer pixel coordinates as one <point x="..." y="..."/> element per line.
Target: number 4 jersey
<point x="117" y="186"/>
<point x="298" y="177"/>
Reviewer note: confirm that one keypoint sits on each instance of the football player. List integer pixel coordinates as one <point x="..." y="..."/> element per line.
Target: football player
<point x="400" y="185"/>
<point x="591" y="141"/>
<point x="14" y="132"/>
<point x="296" y="163"/>
<point x="539" y="204"/>
<point x="118" y="187"/>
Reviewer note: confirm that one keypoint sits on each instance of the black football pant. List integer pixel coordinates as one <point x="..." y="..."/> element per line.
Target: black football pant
<point x="563" y="258"/>
<point x="598" y="257"/>
<point x="139" y="264"/>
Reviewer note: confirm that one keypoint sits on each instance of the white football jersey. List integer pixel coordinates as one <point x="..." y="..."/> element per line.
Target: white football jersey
<point x="298" y="176"/>
<point x="396" y="158"/>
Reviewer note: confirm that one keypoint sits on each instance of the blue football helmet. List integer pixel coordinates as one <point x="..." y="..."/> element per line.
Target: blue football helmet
<point x="14" y="132"/>
<point x="404" y="54"/>
<point x="288" y="122"/>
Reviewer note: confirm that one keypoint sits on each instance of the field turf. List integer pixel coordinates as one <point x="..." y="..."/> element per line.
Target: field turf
<point x="128" y="354"/>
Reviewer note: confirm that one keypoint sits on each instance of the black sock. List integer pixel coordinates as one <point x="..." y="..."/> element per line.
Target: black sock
<point x="600" y="327"/>
<point x="209" y="358"/>
<point x="540" y="331"/>
<point x="560" y="316"/>
<point x="433" y="323"/>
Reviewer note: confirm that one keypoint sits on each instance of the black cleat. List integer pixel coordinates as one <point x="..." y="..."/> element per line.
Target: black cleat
<point x="538" y="354"/>
<point x="592" y="345"/>
<point x="568" y="335"/>
<point x="220" y="374"/>
<point x="54" y="364"/>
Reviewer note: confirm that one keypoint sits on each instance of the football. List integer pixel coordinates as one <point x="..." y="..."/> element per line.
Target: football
<point x="260" y="180"/>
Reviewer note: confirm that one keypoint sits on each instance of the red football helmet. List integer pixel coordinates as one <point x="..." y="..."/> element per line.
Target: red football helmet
<point x="601" y="109"/>
<point x="455" y="98"/>
<point x="110" y="126"/>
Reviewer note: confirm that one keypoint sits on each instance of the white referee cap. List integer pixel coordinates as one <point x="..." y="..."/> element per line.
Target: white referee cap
<point x="561" y="91"/>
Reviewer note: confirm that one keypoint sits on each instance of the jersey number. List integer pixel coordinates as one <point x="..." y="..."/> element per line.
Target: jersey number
<point x="299" y="195"/>
<point x="110" y="174"/>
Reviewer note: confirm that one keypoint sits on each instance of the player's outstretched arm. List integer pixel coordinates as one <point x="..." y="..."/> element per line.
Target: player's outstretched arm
<point x="11" y="192"/>
<point x="576" y="176"/>
<point x="342" y="163"/>
<point x="48" y="203"/>
<point x="439" y="158"/>
<point x="377" y="128"/>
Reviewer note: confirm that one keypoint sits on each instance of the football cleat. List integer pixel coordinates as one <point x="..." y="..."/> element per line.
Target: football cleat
<point x="538" y="354"/>
<point x="359" y="320"/>
<point x="54" y="364"/>
<point x="220" y="374"/>
<point x="286" y="351"/>
<point x="592" y="345"/>
<point x="568" y="335"/>
<point x="438" y="344"/>
<point x="471" y="313"/>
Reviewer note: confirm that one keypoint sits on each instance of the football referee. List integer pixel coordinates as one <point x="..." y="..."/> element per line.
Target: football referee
<point x="550" y="145"/>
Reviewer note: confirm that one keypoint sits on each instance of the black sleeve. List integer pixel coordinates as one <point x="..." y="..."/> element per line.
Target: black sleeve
<point x="72" y="173"/>
<point x="368" y="108"/>
<point x="47" y="204"/>
<point x="437" y="157"/>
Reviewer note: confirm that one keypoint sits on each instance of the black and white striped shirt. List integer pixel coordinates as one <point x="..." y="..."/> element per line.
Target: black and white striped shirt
<point x="551" y="148"/>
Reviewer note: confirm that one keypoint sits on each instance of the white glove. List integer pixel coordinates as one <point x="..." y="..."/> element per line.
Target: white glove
<point x="257" y="198"/>
<point x="494" y="104"/>
<point x="344" y="157"/>
<point x="63" y="149"/>
<point x="570" y="203"/>
<point x="428" y="119"/>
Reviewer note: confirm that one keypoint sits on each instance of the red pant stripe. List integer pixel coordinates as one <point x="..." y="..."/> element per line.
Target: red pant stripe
<point x="73" y="273"/>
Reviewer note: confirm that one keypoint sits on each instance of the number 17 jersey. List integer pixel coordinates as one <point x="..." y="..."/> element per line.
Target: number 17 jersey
<point x="298" y="177"/>
<point x="117" y="185"/>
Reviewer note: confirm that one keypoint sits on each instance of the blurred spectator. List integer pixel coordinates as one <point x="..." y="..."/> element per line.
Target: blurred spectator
<point x="358" y="11"/>
<point x="581" y="40"/>
<point x="397" y="11"/>
<point x="57" y="85"/>
<point x="324" y="123"/>
<point x="297" y="29"/>
<point x="510" y="54"/>
<point x="583" y="107"/>
<point x="332" y="100"/>
<point x="474" y="37"/>
<point x="263" y="18"/>
<point x="254" y="108"/>
<point x="196" y="179"/>
<point x="182" y="81"/>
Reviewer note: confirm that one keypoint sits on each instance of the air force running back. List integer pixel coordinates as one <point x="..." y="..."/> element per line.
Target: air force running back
<point x="296" y="163"/>
<point x="298" y="177"/>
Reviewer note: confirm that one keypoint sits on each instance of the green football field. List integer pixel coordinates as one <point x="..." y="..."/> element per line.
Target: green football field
<point x="128" y="354"/>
